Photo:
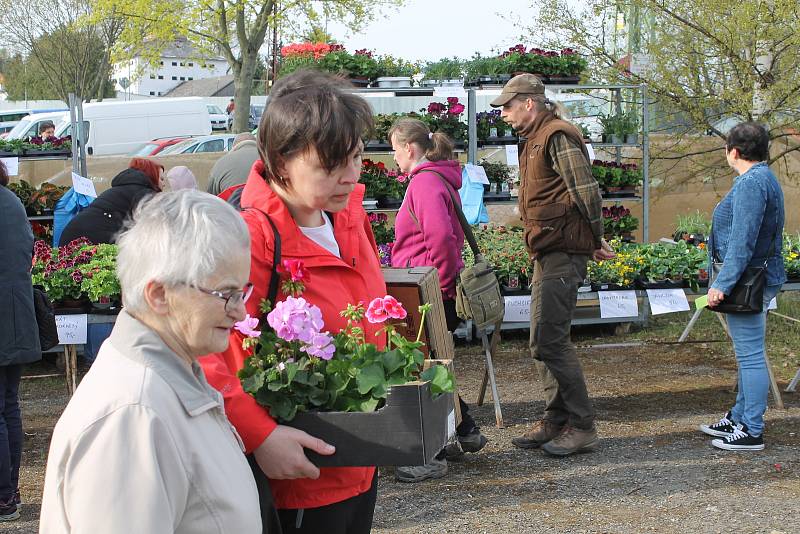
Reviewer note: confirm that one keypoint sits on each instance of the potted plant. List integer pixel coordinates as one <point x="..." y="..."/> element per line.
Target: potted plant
<point x="618" y="221"/>
<point x="504" y="249"/>
<point x="599" y="171"/>
<point x="307" y="55"/>
<point x="613" y="179"/>
<point x="100" y="282"/>
<point x="791" y="257"/>
<point x="567" y="66"/>
<point x="610" y="124"/>
<point x="616" y="273"/>
<point x="11" y="147"/>
<point x="446" y="117"/>
<point x="384" y="123"/>
<point x="53" y="146"/>
<point x="58" y="271"/>
<point x="445" y="72"/>
<point x="482" y="70"/>
<point x="631" y="179"/>
<point x="394" y="72"/>
<point x="381" y="229"/>
<point x="499" y="175"/>
<point x="630" y="127"/>
<point x="693" y="228"/>
<point x="314" y="379"/>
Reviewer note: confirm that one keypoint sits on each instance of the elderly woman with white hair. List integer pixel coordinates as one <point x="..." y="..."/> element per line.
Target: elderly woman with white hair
<point x="144" y="445"/>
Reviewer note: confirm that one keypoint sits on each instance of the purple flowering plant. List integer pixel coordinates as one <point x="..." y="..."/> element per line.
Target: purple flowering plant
<point x="297" y="365"/>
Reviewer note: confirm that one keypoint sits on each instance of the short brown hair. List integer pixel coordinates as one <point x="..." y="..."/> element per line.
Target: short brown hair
<point x="437" y="145"/>
<point x="311" y="109"/>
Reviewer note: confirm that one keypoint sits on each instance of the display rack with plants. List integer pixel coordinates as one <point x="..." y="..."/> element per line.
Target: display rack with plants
<point x="36" y="147"/>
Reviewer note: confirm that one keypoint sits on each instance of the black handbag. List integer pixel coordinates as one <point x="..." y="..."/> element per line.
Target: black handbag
<point x="747" y="296"/>
<point x="45" y="319"/>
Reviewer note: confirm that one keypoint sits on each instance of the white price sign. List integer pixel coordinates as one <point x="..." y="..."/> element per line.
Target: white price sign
<point x="618" y="304"/>
<point x="71" y="329"/>
<point x="518" y="309"/>
<point x="447" y="92"/>
<point x="590" y="150"/>
<point x="667" y="301"/>
<point x="512" y="155"/>
<point x="477" y="173"/>
<point x="84" y="186"/>
<point x="12" y="165"/>
<point x="451" y="424"/>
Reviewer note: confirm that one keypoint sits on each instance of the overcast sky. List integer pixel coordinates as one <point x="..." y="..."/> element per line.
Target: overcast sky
<point x="433" y="29"/>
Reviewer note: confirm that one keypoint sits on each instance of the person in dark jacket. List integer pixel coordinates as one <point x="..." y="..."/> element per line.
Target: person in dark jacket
<point x="103" y="219"/>
<point x="19" y="338"/>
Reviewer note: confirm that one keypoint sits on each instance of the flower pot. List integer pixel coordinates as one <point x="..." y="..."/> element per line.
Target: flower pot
<point x="72" y="305"/>
<point x="627" y="191"/>
<point x="608" y="286"/>
<point x="493" y="132"/>
<point x="394" y="81"/>
<point x="661" y="284"/>
<point x="563" y="80"/>
<point x="389" y="202"/>
<point x="33" y="153"/>
<point x="359" y="81"/>
<point x="9" y="154"/>
<point x="613" y="190"/>
<point x="369" y="204"/>
<point x="617" y="139"/>
<point x="631" y="139"/>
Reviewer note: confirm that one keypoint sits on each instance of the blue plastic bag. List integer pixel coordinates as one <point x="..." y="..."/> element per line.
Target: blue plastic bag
<point x="471" y="194"/>
<point x="66" y="208"/>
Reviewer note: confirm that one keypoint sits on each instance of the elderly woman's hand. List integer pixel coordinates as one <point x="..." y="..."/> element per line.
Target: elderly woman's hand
<point x="715" y="296"/>
<point x="281" y="455"/>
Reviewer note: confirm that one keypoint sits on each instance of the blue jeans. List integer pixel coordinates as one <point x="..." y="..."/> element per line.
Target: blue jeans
<point x="748" y="333"/>
<point x="10" y="431"/>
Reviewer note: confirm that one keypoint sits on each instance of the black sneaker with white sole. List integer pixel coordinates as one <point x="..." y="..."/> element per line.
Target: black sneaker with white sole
<point x="740" y="440"/>
<point x="721" y="429"/>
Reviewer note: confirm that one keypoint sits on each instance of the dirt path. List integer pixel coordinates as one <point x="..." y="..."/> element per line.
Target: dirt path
<point x="652" y="473"/>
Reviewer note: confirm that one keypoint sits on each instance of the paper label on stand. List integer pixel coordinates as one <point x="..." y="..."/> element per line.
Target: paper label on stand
<point x="477" y="173"/>
<point x="12" y="165"/>
<point x="71" y="329"/>
<point x="618" y="304"/>
<point x="518" y="309"/>
<point x="590" y="150"/>
<point x="512" y="155"/>
<point x="447" y="92"/>
<point x="667" y="301"/>
<point x="84" y="186"/>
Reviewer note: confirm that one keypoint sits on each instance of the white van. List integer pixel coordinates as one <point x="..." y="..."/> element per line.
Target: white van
<point x="120" y="127"/>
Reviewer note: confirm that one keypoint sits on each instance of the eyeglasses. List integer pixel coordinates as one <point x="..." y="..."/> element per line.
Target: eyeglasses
<point x="232" y="298"/>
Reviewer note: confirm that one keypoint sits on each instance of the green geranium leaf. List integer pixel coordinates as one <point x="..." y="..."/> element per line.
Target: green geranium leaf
<point x="370" y="377"/>
<point x="393" y="360"/>
<point x="440" y="378"/>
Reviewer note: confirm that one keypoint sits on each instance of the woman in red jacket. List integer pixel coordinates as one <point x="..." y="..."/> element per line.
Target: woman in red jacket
<point x="306" y="185"/>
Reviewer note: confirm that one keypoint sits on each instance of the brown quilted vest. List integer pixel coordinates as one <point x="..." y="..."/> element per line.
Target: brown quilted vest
<point x="552" y="222"/>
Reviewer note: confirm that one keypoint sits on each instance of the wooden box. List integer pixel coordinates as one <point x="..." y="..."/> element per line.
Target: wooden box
<point x="414" y="286"/>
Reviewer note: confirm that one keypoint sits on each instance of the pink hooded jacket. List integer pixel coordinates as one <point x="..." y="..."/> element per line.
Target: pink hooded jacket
<point x="438" y="239"/>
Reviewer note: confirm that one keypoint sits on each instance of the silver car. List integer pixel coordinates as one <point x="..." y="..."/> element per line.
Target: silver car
<point x="205" y="143"/>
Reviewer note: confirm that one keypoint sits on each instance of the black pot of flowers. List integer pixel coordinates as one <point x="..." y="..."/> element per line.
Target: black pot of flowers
<point x="390" y="203"/>
<point x="607" y="286"/>
<point x="661" y="284"/>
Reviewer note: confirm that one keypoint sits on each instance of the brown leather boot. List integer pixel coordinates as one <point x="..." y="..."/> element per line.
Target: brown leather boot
<point x="542" y="432"/>
<point x="570" y="441"/>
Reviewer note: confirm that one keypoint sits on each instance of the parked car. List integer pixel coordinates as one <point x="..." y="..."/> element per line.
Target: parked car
<point x="219" y="119"/>
<point x="196" y="145"/>
<point x="156" y="146"/>
<point x="119" y="127"/>
<point x="253" y="120"/>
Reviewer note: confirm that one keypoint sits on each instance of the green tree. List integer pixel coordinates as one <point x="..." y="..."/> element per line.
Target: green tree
<point x="236" y="29"/>
<point x="72" y="53"/>
<point x="708" y="59"/>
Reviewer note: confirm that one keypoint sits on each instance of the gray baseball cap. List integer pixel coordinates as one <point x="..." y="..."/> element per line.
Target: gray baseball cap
<point x="521" y="84"/>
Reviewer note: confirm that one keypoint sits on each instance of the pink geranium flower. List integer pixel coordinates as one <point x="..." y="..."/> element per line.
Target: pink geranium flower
<point x="381" y="309"/>
<point x="295" y="319"/>
<point x="247" y="326"/>
<point x="321" y="346"/>
<point x="393" y="308"/>
<point x="295" y="269"/>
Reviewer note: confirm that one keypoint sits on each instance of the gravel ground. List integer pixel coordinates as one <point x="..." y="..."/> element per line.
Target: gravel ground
<point x="653" y="471"/>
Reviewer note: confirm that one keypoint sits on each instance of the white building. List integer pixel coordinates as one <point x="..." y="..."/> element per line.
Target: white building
<point x="179" y="63"/>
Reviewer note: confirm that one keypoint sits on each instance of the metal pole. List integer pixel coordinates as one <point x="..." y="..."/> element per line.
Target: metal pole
<point x="81" y="138"/>
<point x="472" y="127"/>
<point x="73" y="129"/>
<point x="645" y="165"/>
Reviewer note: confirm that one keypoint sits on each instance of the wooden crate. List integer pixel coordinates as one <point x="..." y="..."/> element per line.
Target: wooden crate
<point x="414" y="286"/>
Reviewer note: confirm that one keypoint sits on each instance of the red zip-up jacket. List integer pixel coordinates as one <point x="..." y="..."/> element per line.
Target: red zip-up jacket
<point x="333" y="284"/>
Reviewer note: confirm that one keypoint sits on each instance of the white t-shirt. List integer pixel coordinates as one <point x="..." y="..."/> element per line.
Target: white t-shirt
<point x="323" y="236"/>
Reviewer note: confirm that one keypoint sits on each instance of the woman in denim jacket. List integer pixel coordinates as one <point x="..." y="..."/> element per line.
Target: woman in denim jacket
<point x="747" y="231"/>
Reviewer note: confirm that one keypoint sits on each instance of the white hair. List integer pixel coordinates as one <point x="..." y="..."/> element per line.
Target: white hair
<point x="180" y="237"/>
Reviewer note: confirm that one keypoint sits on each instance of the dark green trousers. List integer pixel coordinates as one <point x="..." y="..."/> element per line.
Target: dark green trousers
<point x="554" y="293"/>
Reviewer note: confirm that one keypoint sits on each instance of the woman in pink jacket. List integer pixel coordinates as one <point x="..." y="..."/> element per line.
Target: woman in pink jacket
<point x="427" y="233"/>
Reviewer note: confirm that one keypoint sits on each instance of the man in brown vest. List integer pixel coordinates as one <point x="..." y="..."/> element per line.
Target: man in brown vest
<point x="560" y="205"/>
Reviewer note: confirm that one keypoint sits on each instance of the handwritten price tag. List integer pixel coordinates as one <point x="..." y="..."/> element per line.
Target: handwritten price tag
<point x="667" y="301"/>
<point x="12" y="165"/>
<point x="512" y="155"/>
<point x="518" y="309"/>
<point x="618" y="304"/>
<point x="477" y="173"/>
<point x="84" y="186"/>
<point x="71" y="329"/>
